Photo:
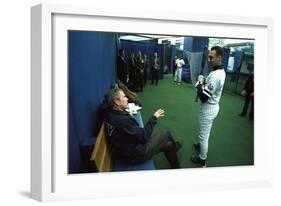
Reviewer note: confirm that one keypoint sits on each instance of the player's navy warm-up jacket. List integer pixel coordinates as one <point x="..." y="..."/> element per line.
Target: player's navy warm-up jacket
<point x="125" y="137"/>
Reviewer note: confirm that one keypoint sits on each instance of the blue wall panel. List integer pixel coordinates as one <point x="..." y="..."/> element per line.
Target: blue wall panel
<point x="92" y="69"/>
<point x="225" y="58"/>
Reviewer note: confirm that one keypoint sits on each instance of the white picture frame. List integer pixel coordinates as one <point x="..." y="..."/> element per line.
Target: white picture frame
<point x="49" y="176"/>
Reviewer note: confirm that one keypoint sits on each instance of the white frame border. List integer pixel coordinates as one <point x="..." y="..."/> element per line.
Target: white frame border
<point x="43" y="88"/>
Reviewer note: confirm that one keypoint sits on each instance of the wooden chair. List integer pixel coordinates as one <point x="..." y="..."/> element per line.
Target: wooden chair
<point x="101" y="156"/>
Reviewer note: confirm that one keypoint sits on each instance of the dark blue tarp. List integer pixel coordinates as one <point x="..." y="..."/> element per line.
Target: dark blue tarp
<point x="238" y="58"/>
<point x="173" y="51"/>
<point x="199" y="43"/>
<point x="187" y="49"/>
<point x="226" y="53"/>
<point x="194" y="45"/>
<point x="91" y="71"/>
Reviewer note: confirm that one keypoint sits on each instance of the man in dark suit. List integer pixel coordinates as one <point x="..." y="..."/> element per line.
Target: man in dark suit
<point x="132" y="72"/>
<point x="146" y="63"/>
<point x="122" y="69"/>
<point x="139" y="72"/>
<point x="248" y="93"/>
<point x="155" y="69"/>
<point x="174" y="65"/>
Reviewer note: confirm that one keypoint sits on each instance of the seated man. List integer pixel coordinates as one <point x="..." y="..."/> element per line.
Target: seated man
<point x="130" y="143"/>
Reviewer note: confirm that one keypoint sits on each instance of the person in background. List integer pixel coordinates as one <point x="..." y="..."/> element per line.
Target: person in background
<point x="132" y="72"/>
<point x="146" y="63"/>
<point x="155" y="69"/>
<point x="179" y="63"/>
<point x="139" y="72"/>
<point x="248" y="94"/>
<point x="122" y="69"/>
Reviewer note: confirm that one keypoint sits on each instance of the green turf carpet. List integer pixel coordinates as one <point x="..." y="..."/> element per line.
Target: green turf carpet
<point x="231" y="140"/>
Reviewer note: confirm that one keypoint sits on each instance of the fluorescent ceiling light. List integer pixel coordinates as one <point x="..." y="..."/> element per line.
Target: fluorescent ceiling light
<point x="134" y="38"/>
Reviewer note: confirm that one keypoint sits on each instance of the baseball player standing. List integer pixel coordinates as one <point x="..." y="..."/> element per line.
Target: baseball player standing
<point x="209" y="92"/>
<point x="179" y="63"/>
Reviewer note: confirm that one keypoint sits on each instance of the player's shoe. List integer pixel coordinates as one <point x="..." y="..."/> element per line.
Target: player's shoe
<point x="197" y="146"/>
<point x="198" y="161"/>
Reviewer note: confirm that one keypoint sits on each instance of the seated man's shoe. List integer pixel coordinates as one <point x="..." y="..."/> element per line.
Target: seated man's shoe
<point x="179" y="144"/>
<point x="198" y="161"/>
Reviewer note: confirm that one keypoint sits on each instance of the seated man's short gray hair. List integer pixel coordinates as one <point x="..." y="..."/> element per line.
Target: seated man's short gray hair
<point x="112" y="95"/>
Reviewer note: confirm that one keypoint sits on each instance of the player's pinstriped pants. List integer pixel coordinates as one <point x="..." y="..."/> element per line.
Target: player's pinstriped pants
<point x="207" y="114"/>
<point x="178" y="75"/>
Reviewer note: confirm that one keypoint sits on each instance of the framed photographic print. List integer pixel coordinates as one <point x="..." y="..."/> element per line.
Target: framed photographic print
<point x="78" y="55"/>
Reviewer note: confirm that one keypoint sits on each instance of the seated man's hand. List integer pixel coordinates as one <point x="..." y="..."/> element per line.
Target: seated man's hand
<point x="159" y="113"/>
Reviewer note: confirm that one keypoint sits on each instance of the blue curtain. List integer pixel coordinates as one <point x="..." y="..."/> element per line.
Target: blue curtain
<point x="173" y="51"/>
<point x="186" y="76"/>
<point x="92" y="69"/>
<point x="226" y="53"/>
<point x="204" y="63"/>
<point x="187" y="43"/>
<point x="74" y="162"/>
<point x="118" y="44"/>
<point x="199" y="43"/>
<point x="146" y="48"/>
<point x="195" y="45"/>
<point x="197" y="58"/>
<point x="238" y="58"/>
<point x="187" y="49"/>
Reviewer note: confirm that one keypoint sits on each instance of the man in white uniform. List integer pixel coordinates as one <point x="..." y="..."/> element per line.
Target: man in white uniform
<point x="209" y="93"/>
<point x="179" y="63"/>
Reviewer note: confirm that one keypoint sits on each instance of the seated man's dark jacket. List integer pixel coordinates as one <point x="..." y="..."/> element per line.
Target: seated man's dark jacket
<point x="126" y="138"/>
